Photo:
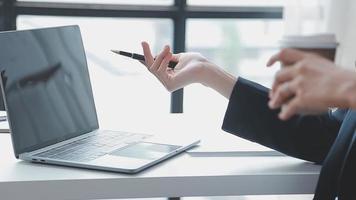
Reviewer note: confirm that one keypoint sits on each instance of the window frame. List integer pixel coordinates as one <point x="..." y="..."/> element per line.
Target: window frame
<point x="179" y="13"/>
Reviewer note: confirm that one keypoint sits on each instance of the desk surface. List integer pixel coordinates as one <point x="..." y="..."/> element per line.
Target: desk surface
<point x="183" y="175"/>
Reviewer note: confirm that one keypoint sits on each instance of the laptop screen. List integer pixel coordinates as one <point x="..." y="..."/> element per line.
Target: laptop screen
<point x="47" y="88"/>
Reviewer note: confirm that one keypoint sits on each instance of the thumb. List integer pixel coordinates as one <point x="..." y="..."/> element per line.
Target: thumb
<point x="286" y="56"/>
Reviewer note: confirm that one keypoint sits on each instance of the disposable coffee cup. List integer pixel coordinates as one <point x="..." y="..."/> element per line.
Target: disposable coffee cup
<point x="324" y="45"/>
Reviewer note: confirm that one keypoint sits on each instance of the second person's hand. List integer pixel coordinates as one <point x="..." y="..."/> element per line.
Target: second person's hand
<point x="310" y="85"/>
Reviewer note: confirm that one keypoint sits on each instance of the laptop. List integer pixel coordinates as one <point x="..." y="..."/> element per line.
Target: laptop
<point x="51" y="112"/>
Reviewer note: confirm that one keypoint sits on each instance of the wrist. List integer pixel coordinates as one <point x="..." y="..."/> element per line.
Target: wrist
<point x="218" y="79"/>
<point x="208" y="71"/>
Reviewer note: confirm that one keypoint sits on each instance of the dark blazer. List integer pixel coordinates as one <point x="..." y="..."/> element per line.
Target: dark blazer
<point x="327" y="139"/>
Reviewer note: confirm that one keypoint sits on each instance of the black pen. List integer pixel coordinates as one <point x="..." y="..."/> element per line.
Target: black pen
<point x="140" y="57"/>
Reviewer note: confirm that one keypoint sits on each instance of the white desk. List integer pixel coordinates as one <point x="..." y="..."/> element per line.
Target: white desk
<point x="180" y="176"/>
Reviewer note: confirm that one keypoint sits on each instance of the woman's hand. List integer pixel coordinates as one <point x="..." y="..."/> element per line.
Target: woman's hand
<point x="191" y="68"/>
<point x="188" y="70"/>
<point x="311" y="84"/>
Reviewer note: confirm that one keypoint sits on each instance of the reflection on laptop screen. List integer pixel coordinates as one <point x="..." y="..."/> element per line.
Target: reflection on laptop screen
<point x="46" y="86"/>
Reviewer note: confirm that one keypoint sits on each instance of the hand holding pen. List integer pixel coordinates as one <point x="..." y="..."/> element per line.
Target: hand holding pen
<point x="140" y="57"/>
<point x="188" y="67"/>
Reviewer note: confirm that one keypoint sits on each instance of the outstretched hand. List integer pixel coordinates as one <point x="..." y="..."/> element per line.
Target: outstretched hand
<point x="187" y="71"/>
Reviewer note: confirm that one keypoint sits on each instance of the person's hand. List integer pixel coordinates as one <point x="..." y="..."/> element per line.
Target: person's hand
<point x="187" y="71"/>
<point x="309" y="84"/>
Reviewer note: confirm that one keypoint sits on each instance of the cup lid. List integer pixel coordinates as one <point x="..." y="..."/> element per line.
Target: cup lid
<point x="320" y="41"/>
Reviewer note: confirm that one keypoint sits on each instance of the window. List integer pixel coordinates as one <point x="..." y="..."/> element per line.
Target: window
<point x="120" y="85"/>
<point x="135" y="2"/>
<point x="236" y="2"/>
<point x="123" y="24"/>
<point x="240" y="46"/>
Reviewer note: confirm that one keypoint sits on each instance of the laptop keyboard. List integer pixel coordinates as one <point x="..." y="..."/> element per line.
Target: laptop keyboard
<point x="92" y="147"/>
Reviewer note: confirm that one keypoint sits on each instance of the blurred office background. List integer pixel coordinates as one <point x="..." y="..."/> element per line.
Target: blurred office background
<point x="238" y="35"/>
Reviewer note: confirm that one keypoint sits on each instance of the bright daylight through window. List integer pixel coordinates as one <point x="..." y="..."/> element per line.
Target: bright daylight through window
<point x="240" y="44"/>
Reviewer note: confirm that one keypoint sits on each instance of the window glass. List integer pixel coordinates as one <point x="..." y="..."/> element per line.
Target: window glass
<point x="134" y="2"/>
<point x="236" y="2"/>
<point x="242" y="47"/>
<point x="121" y="86"/>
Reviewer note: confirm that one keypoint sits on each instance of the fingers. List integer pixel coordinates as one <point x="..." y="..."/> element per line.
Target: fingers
<point x="164" y="65"/>
<point x="158" y="65"/>
<point x="175" y="57"/>
<point x="286" y="57"/>
<point x="163" y="72"/>
<point x="282" y="76"/>
<point x="147" y="53"/>
<point x="289" y="109"/>
<point x="283" y="94"/>
<point x="158" y="61"/>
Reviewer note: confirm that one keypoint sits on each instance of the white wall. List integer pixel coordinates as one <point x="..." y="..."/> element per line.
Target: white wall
<point x="341" y="20"/>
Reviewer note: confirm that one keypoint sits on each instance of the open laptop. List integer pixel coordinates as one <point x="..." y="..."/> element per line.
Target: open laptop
<point x="50" y="107"/>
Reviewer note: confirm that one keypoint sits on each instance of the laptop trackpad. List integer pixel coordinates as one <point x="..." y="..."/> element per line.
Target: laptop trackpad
<point x="145" y="150"/>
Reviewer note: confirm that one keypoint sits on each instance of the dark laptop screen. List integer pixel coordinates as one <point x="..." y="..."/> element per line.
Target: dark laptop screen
<point x="46" y="86"/>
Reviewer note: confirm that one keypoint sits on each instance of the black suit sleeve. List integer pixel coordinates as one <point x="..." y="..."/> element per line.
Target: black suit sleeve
<point x="305" y="137"/>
